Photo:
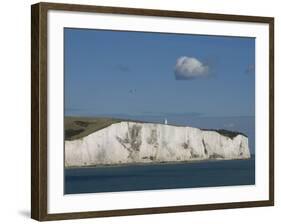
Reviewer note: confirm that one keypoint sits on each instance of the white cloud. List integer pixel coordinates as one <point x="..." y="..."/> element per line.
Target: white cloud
<point x="190" y="68"/>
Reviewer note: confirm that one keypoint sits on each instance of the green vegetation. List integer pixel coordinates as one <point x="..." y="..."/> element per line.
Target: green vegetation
<point x="230" y="134"/>
<point x="78" y="127"/>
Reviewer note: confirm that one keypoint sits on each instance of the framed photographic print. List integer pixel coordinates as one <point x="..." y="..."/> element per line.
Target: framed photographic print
<point x="140" y="111"/>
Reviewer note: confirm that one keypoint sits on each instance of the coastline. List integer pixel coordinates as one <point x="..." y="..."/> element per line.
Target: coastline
<point x="154" y="163"/>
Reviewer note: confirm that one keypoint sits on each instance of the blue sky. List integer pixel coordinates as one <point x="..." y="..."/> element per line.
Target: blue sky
<point x="194" y="80"/>
<point x="136" y="73"/>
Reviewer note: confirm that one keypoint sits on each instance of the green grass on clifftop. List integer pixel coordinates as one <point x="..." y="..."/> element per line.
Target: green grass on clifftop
<point x="78" y="127"/>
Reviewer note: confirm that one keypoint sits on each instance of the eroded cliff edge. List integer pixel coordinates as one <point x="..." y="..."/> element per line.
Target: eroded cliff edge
<point x="133" y="142"/>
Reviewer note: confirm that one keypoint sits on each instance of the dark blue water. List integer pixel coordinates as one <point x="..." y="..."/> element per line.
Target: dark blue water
<point x="160" y="176"/>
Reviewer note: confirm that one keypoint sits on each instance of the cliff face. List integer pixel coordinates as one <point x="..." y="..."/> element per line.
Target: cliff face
<point x="130" y="142"/>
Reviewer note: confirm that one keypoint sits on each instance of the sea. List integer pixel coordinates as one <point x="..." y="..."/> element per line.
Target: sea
<point x="159" y="176"/>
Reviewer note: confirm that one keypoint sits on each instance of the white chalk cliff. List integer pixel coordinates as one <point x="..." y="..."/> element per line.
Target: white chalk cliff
<point x="131" y="142"/>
